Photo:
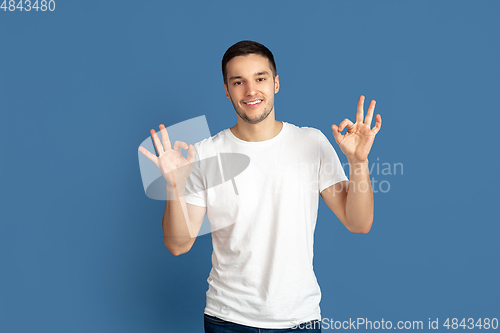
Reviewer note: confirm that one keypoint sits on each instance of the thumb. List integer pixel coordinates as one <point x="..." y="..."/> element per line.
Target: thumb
<point x="190" y="156"/>
<point x="336" y="133"/>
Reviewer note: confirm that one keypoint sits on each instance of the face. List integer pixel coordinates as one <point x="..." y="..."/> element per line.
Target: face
<point x="251" y="87"/>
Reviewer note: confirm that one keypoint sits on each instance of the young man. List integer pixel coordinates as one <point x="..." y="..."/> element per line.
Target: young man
<point x="263" y="234"/>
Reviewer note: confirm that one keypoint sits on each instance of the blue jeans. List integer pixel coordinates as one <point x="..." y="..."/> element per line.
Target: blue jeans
<point x="217" y="325"/>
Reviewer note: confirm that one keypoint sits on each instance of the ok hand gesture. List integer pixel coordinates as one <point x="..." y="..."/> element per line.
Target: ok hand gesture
<point x="173" y="166"/>
<point x="357" y="141"/>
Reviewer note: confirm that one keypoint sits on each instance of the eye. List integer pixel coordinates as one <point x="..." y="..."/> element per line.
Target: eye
<point x="237" y="83"/>
<point x="260" y="79"/>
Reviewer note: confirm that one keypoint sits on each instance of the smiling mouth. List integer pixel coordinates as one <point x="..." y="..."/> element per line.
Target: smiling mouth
<point x="253" y="103"/>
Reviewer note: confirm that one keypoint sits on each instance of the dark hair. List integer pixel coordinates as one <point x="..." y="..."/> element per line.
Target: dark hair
<point x="243" y="48"/>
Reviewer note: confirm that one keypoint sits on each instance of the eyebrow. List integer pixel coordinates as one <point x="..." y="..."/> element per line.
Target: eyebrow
<point x="256" y="74"/>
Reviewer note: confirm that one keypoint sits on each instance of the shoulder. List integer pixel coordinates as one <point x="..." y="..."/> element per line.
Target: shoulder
<point x="206" y="147"/>
<point x="305" y="132"/>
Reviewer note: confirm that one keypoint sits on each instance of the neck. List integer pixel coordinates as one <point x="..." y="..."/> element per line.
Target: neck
<point x="265" y="130"/>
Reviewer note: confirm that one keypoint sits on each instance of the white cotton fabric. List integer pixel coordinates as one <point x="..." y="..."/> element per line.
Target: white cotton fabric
<point x="262" y="261"/>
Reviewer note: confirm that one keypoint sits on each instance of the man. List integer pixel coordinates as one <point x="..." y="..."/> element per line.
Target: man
<point x="262" y="274"/>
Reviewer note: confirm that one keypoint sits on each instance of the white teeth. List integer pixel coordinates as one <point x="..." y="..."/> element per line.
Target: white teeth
<point x="252" y="103"/>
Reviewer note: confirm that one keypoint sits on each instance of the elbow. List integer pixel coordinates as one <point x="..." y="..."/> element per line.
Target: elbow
<point x="360" y="231"/>
<point x="362" y="228"/>
<point x="364" y="231"/>
<point x="176" y="251"/>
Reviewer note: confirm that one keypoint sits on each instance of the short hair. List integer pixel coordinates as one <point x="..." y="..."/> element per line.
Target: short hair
<point x="243" y="48"/>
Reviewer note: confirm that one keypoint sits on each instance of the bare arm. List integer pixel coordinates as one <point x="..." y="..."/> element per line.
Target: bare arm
<point x="181" y="221"/>
<point x="352" y="201"/>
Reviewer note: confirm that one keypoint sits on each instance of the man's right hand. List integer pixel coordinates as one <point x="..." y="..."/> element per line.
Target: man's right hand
<point x="174" y="167"/>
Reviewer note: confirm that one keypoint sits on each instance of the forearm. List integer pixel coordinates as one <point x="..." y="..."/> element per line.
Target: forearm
<point x="177" y="228"/>
<point x="359" y="202"/>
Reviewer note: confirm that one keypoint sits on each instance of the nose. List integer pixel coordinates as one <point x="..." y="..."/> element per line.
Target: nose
<point x="251" y="88"/>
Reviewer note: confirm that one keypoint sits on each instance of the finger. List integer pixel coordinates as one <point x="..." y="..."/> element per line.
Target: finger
<point x="378" y="123"/>
<point x="191" y="154"/>
<point x="156" y="140"/>
<point x="345" y="123"/>
<point x="336" y="133"/>
<point x="369" y="113"/>
<point x="179" y="144"/>
<point x="359" y="114"/>
<point x="149" y="155"/>
<point x="164" y="138"/>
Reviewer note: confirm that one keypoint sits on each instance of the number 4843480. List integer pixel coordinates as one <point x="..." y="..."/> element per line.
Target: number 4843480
<point x="27" y="6"/>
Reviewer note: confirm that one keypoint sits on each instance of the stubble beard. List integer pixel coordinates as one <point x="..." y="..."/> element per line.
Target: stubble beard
<point x="267" y="111"/>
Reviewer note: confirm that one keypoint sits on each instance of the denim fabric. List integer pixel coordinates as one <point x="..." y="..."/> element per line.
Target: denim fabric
<point x="217" y="325"/>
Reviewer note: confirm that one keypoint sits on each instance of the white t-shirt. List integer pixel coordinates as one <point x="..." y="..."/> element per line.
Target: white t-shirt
<point x="263" y="225"/>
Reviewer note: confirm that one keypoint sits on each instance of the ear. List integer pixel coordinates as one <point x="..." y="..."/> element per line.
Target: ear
<point x="227" y="92"/>
<point x="276" y="84"/>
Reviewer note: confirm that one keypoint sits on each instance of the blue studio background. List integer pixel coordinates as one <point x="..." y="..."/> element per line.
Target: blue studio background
<point x="81" y="246"/>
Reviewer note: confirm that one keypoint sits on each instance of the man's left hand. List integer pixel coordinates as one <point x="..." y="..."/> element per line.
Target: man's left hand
<point x="358" y="140"/>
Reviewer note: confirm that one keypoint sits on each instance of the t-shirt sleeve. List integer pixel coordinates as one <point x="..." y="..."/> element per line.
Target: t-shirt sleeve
<point x="330" y="168"/>
<point x="196" y="193"/>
